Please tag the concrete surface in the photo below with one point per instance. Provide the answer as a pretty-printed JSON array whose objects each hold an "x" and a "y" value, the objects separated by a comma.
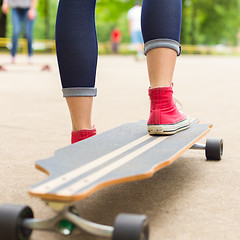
[{"x": 191, "y": 199}]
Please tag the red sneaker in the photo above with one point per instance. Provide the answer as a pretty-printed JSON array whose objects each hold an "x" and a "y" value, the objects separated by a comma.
[
  {"x": 165, "y": 118},
  {"x": 80, "y": 135}
]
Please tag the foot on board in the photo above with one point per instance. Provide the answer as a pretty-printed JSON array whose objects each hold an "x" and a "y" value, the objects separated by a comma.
[
  {"x": 80, "y": 135},
  {"x": 165, "y": 118}
]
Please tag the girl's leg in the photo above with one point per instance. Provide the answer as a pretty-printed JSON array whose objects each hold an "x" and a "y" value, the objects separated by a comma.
[
  {"x": 80, "y": 110},
  {"x": 16, "y": 22},
  {"x": 161, "y": 64},
  {"x": 28, "y": 31},
  {"x": 76, "y": 44},
  {"x": 161, "y": 25}
]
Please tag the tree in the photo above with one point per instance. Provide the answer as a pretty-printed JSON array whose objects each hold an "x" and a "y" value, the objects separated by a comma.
[
  {"x": 203, "y": 21},
  {"x": 110, "y": 13},
  {"x": 44, "y": 12},
  {"x": 210, "y": 21},
  {"x": 3, "y": 22}
]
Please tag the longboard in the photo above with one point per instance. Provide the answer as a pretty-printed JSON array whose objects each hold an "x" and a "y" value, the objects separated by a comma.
[
  {"x": 123, "y": 154},
  {"x": 126, "y": 153}
]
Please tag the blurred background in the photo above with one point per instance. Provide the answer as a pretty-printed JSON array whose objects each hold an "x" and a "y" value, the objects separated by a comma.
[{"x": 208, "y": 26}]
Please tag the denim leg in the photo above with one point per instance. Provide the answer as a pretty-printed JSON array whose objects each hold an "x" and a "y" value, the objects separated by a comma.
[
  {"x": 77, "y": 50},
  {"x": 28, "y": 32},
  {"x": 16, "y": 22},
  {"x": 161, "y": 24}
]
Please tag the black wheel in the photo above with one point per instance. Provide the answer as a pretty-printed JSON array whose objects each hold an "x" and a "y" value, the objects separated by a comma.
[
  {"x": 214, "y": 149},
  {"x": 131, "y": 227},
  {"x": 11, "y": 218}
]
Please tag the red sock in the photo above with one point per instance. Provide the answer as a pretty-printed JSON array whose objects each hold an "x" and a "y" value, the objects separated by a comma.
[{"x": 80, "y": 135}]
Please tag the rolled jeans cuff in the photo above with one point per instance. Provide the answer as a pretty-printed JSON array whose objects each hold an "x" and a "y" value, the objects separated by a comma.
[
  {"x": 79, "y": 92},
  {"x": 162, "y": 43}
]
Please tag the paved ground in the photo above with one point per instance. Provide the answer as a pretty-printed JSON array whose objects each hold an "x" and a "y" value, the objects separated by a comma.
[{"x": 191, "y": 199}]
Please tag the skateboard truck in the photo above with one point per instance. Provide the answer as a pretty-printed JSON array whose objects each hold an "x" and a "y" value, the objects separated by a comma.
[
  {"x": 18, "y": 223},
  {"x": 64, "y": 223},
  {"x": 213, "y": 148}
]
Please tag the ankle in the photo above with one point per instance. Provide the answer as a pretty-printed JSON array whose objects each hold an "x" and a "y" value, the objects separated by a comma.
[
  {"x": 82, "y": 126},
  {"x": 13, "y": 60},
  {"x": 163, "y": 85}
]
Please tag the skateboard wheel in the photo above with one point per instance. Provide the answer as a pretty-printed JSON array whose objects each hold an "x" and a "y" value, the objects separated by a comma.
[
  {"x": 131, "y": 227},
  {"x": 11, "y": 217},
  {"x": 214, "y": 149}
]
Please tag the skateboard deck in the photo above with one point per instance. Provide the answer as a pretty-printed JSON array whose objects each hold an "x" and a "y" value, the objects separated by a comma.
[
  {"x": 123, "y": 154},
  {"x": 8, "y": 66}
]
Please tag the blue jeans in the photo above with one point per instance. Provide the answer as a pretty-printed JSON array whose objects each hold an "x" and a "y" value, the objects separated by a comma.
[
  {"x": 76, "y": 39},
  {"x": 136, "y": 37},
  {"x": 19, "y": 16}
]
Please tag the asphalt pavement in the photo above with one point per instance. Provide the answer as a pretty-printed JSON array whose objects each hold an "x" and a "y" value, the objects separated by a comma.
[{"x": 191, "y": 199}]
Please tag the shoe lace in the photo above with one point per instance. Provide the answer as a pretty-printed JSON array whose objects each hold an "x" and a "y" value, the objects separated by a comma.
[{"x": 178, "y": 104}]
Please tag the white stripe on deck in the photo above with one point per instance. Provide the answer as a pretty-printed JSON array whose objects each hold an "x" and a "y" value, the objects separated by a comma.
[
  {"x": 75, "y": 187},
  {"x": 63, "y": 179}
]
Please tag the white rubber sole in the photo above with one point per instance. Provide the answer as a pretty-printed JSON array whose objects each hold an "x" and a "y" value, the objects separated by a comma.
[{"x": 169, "y": 129}]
